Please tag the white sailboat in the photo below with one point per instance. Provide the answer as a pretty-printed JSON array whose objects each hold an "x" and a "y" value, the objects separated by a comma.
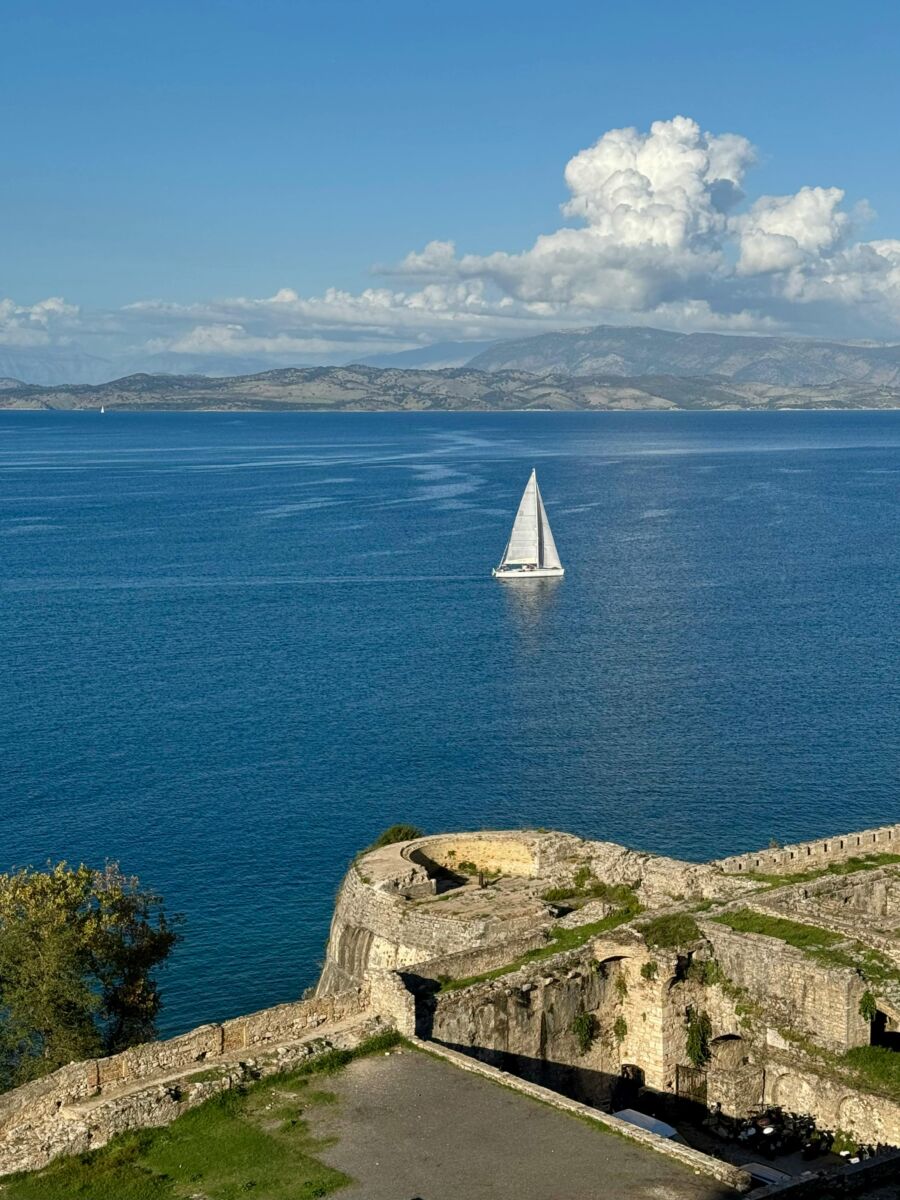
[{"x": 531, "y": 551}]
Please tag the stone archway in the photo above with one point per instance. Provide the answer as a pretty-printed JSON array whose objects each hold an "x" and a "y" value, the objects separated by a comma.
[
  {"x": 794, "y": 1093},
  {"x": 727, "y": 1052}
]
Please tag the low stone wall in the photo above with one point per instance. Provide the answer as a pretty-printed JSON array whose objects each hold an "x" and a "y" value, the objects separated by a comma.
[
  {"x": 508, "y": 853},
  {"x": 694, "y": 1160},
  {"x": 857, "y": 1179},
  {"x": 35, "y": 1125},
  {"x": 806, "y": 856},
  {"x": 480, "y": 959},
  {"x": 833, "y": 1104}
]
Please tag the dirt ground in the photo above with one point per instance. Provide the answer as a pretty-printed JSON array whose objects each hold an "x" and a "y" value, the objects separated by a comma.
[{"x": 410, "y": 1127}]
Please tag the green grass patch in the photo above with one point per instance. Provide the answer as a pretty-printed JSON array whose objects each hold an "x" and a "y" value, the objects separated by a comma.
[
  {"x": 670, "y": 932},
  {"x": 831, "y": 949},
  {"x": 877, "y": 1067},
  {"x": 804, "y": 937},
  {"x": 865, "y": 862},
  {"x": 586, "y": 888},
  {"x": 246, "y": 1142},
  {"x": 559, "y": 941}
]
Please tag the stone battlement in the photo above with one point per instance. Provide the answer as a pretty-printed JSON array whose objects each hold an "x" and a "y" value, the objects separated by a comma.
[{"x": 798, "y": 857}]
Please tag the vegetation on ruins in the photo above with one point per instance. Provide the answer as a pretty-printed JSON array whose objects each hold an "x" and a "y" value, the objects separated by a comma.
[
  {"x": 877, "y": 1066},
  {"x": 698, "y": 1031},
  {"x": 620, "y": 1029},
  {"x": 670, "y": 932},
  {"x": 864, "y": 862},
  {"x": 585, "y": 886},
  {"x": 830, "y": 948},
  {"x": 395, "y": 833},
  {"x": 78, "y": 949},
  {"x": 559, "y": 940},
  {"x": 252, "y": 1140},
  {"x": 584, "y": 1026},
  {"x": 867, "y": 1006},
  {"x": 650, "y": 969},
  {"x": 705, "y": 971}
]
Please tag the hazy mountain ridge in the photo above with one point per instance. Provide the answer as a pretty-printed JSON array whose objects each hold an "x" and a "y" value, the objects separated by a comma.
[
  {"x": 639, "y": 351},
  {"x": 360, "y": 388}
]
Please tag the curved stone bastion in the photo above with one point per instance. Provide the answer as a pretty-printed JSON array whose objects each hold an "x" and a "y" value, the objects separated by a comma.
[
  {"x": 458, "y": 893},
  {"x": 613, "y": 977}
]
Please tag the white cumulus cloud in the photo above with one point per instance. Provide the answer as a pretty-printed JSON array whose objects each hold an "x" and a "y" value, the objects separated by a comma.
[{"x": 656, "y": 229}]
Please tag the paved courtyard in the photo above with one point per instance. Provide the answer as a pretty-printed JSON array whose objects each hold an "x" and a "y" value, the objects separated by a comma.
[{"x": 410, "y": 1127}]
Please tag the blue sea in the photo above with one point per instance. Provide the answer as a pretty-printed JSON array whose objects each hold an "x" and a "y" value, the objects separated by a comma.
[{"x": 235, "y": 647}]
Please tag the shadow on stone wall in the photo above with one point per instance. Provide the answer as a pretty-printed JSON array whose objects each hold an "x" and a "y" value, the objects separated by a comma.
[{"x": 600, "y": 1089}]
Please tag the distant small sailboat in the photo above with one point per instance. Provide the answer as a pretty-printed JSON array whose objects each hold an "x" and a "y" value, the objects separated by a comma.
[
  {"x": 102, "y": 409},
  {"x": 531, "y": 551}
]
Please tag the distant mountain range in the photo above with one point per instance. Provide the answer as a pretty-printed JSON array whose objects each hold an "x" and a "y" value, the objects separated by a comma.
[
  {"x": 606, "y": 350},
  {"x": 637, "y": 351},
  {"x": 608, "y": 367},
  {"x": 360, "y": 388}
]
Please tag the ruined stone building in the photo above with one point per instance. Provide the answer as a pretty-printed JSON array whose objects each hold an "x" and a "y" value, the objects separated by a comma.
[
  {"x": 598, "y": 970},
  {"x": 615, "y": 977}
]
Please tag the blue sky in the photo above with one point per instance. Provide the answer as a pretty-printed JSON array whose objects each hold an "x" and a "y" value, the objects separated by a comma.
[{"x": 197, "y": 153}]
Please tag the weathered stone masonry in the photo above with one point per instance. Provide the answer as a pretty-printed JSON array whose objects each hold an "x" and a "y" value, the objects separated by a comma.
[{"x": 487, "y": 911}]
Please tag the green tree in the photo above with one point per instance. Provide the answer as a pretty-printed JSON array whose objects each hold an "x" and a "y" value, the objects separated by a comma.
[{"x": 77, "y": 952}]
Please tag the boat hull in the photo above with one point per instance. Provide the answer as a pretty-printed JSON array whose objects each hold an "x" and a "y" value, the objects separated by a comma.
[{"x": 510, "y": 575}]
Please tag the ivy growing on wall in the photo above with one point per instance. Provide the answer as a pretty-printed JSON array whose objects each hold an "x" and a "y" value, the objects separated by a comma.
[
  {"x": 697, "y": 1037},
  {"x": 867, "y": 1006},
  {"x": 585, "y": 1029}
]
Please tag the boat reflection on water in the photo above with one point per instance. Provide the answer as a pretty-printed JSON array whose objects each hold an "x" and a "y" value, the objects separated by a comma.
[{"x": 530, "y": 600}]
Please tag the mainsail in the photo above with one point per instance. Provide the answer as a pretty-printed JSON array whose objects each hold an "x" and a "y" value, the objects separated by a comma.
[{"x": 531, "y": 542}]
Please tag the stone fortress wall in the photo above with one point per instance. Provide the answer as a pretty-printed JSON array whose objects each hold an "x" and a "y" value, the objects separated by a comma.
[
  {"x": 410, "y": 917},
  {"x": 81, "y": 1106},
  {"x": 524, "y": 1019},
  {"x": 807, "y": 856}
]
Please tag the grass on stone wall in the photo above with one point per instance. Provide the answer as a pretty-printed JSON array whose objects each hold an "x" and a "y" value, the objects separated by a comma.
[
  {"x": 249, "y": 1141},
  {"x": 864, "y": 862},
  {"x": 877, "y": 1067},
  {"x": 585, "y": 887},
  {"x": 560, "y": 940},
  {"x": 670, "y": 932},
  {"x": 830, "y": 948},
  {"x": 795, "y": 933}
]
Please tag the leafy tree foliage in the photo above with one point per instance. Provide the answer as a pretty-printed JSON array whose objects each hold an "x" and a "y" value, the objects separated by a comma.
[{"x": 78, "y": 949}]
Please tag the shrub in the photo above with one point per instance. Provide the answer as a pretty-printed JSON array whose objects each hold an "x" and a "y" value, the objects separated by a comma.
[
  {"x": 620, "y": 1029},
  {"x": 621, "y": 986},
  {"x": 670, "y": 932},
  {"x": 867, "y": 1006},
  {"x": 396, "y": 833},
  {"x": 650, "y": 969}
]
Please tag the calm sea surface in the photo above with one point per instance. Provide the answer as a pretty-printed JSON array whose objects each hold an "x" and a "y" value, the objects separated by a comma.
[{"x": 235, "y": 647}]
